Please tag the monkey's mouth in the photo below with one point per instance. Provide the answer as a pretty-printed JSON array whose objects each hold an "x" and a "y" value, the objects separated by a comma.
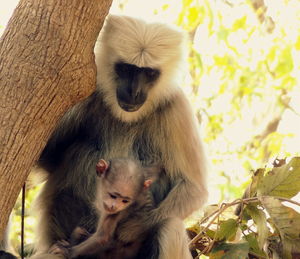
[
  {"x": 129, "y": 107},
  {"x": 109, "y": 210}
]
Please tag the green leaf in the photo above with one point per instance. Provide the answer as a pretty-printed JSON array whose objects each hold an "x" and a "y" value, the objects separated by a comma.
[
  {"x": 282, "y": 181},
  {"x": 230, "y": 251},
  {"x": 223, "y": 33},
  {"x": 297, "y": 44},
  {"x": 253, "y": 243},
  {"x": 165, "y": 7},
  {"x": 272, "y": 54},
  {"x": 210, "y": 233},
  {"x": 285, "y": 64},
  {"x": 256, "y": 179},
  {"x": 227, "y": 230},
  {"x": 289, "y": 246},
  {"x": 239, "y": 23},
  {"x": 286, "y": 220},
  {"x": 187, "y": 2},
  {"x": 217, "y": 254},
  {"x": 259, "y": 218}
]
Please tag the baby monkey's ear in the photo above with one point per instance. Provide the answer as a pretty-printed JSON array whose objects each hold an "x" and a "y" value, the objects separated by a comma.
[
  {"x": 102, "y": 167},
  {"x": 152, "y": 173},
  {"x": 147, "y": 183}
]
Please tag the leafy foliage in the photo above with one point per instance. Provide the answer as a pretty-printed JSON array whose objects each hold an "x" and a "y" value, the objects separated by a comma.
[
  {"x": 229, "y": 251},
  {"x": 262, "y": 226},
  {"x": 282, "y": 181},
  {"x": 244, "y": 66}
]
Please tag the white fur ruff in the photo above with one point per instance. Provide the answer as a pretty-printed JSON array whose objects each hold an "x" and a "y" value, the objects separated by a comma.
[{"x": 133, "y": 41}]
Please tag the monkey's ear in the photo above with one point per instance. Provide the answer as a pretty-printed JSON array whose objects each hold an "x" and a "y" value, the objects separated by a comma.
[
  {"x": 101, "y": 167},
  {"x": 147, "y": 183},
  {"x": 152, "y": 174}
]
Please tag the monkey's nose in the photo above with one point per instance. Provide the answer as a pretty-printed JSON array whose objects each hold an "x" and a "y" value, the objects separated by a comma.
[
  {"x": 109, "y": 209},
  {"x": 112, "y": 210}
]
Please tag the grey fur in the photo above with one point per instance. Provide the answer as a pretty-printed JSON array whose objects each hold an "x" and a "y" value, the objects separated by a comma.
[
  {"x": 122, "y": 233},
  {"x": 163, "y": 131}
]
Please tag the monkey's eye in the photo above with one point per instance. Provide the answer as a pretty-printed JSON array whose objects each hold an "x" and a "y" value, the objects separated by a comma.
[
  {"x": 123, "y": 69},
  {"x": 151, "y": 74},
  {"x": 112, "y": 196},
  {"x": 125, "y": 201}
]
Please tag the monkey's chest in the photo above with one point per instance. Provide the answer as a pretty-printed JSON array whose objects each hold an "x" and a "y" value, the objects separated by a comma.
[{"x": 133, "y": 140}]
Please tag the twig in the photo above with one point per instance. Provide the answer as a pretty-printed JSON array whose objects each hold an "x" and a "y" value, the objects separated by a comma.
[
  {"x": 219, "y": 211},
  {"x": 22, "y": 221},
  {"x": 225, "y": 206}
]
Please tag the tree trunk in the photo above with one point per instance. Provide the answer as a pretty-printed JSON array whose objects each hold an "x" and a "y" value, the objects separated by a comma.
[{"x": 46, "y": 65}]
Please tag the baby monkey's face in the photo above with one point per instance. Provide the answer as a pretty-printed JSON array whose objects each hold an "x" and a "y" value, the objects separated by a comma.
[
  {"x": 121, "y": 182},
  {"x": 117, "y": 197}
]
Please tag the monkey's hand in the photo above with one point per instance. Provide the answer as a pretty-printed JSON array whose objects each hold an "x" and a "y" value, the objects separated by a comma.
[
  {"x": 91, "y": 246},
  {"x": 148, "y": 218},
  {"x": 104, "y": 240},
  {"x": 152, "y": 217},
  {"x": 60, "y": 248},
  {"x": 79, "y": 235}
]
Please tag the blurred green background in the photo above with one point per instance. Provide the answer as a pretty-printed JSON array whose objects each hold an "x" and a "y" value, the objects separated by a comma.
[{"x": 243, "y": 83}]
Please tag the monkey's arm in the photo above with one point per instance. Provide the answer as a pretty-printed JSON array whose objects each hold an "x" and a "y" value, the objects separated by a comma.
[
  {"x": 69, "y": 129},
  {"x": 91, "y": 246},
  {"x": 107, "y": 227},
  {"x": 101, "y": 240},
  {"x": 184, "y": 198},
  {"x": 185, "y": 161}
]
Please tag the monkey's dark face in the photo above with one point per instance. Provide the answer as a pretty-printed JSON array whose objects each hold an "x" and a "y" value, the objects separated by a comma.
[{"x": 133, "y": 84}]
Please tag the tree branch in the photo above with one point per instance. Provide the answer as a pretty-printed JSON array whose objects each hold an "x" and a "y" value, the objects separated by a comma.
[{"x": 46, "y": 65}]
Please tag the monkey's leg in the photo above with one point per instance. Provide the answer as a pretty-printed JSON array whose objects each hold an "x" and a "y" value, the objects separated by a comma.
[
  {"x": 173, "y": 240},
  {"x": 48, "y": 256},
  {"x": 59, "y": 250},
  {"x": 168, "y": 239},
  {"x": 91, "y": 246},
  {"x": 59, "y": 213},
  {"x": 99, "y": 241},
  {"x": 4, "y": 242}
]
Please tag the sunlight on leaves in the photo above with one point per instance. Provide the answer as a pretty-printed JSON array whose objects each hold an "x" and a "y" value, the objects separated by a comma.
[{"x": 282, "y": 181}]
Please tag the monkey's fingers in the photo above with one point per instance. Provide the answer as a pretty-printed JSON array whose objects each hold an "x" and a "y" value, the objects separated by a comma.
[
  {"x": 80, "y": 232},
  {"x": 63, "y": 243},
  {"x": 60, "y": 247}
]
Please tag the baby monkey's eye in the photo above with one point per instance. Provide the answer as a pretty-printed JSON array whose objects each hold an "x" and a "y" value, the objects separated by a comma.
[
  {"x": 112, "y": 196},
  {"x": 125, "y": 201}
]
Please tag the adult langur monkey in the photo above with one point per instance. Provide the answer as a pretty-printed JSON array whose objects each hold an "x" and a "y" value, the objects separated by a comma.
[{"x": 139, "y": 111}]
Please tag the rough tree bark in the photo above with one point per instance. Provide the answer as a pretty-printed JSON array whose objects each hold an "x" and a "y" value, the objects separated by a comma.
[{"x": 46, "y": 65}]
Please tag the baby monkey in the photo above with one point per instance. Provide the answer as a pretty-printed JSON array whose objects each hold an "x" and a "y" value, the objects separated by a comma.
[{"x": 123, "y": 201}]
